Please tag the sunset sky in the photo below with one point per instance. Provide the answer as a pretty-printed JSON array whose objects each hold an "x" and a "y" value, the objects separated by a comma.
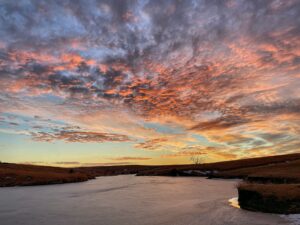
[{"x": 88, "y": 82}]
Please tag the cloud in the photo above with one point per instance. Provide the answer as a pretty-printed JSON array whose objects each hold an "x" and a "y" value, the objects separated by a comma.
[
  {"x": 291, "y": 106},
  {"x": 183, "y": 153},
  {"x": 275, "y": 137},
  {"x": 133, "y": 158},
  {"x": 105, "y": 164},
  {"x": 152, "y": 144},
  {"x": 67, "y": 163},
  {"x": 221, "y": 123},
  {"x": 13, "y": 131},
  {"x": 79, "y": 136},
  {"x": 226, "y": 67},
  {"x": 205, "y": 153}
]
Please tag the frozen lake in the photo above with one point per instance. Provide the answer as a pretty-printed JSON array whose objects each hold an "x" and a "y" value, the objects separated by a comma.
[{"x": 129, "y": 200}]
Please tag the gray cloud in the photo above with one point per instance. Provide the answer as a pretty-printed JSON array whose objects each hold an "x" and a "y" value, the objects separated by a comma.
[{"x": 79, "y": 136}]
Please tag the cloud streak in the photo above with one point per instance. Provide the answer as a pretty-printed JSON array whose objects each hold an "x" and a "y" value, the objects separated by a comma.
[{"x": 79, "y": 136}]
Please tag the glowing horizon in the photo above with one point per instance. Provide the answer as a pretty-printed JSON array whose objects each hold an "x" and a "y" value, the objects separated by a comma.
[{"x": 148, "y": 82}]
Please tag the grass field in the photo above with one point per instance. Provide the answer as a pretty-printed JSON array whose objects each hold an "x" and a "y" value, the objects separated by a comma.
[
  {"x": 24, "y": 175},
  {"x": 275, "y": 167},
  {"x": 285, "y": 172}
]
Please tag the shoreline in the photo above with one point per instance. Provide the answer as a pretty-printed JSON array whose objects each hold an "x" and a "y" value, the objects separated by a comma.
[
  {"x": 270, "y": 198},
  {"x": 265, "y": 187}
]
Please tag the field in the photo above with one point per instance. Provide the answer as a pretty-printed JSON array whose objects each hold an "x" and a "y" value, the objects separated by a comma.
[
  {"x": 279, "y": 168},
  {"x": 271, "y": 198},
  {"x": 25, "y": 175}
]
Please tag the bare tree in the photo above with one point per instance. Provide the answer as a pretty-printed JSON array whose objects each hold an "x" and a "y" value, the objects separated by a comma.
[{"x": 197, "y": 160}]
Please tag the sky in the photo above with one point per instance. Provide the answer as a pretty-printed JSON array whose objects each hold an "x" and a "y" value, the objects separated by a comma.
[{"x": 120, "y": 82}]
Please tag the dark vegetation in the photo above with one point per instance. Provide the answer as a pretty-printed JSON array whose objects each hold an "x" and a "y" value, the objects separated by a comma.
[
  {"x": 271, "y": 184},
  {"x": 26, "y": 175},
  {"x": 270, "y": 198},
  {"x": 242, "y": 168}
]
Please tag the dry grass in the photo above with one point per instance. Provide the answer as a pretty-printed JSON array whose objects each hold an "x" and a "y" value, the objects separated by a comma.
[
  {"x": 251, "y": 162},
  {"x": 287, "y": 170},
  {"x": 23, "y": 175},
  {"x": 236, "y": 168},
  {"x": 274, "y": 166},
  {"x": 281, "y": 191},
  {"x": 270, "y": 198}
]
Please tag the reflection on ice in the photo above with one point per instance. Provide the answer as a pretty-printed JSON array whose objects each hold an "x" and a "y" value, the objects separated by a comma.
[
  {"x": 234, "y": 202},
  {"x": 130, "y": 200}
]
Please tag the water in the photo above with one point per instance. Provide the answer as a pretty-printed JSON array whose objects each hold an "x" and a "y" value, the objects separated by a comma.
[{"x": 129, "y": 200}]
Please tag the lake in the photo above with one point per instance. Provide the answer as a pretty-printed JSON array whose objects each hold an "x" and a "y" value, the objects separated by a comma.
[{"x": 130, "y": 200}]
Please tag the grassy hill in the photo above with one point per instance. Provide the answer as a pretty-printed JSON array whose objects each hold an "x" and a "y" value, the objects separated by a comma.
[
  {"x": 275, "y": 167},
  {"x": 25, "y": 175}
]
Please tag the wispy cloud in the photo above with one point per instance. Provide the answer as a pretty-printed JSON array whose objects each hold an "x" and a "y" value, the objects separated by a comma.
[
  {"x": 67, "y": 163},
  {"x": 79, "y": 136},
  {"x": 129, "y": 158}
]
